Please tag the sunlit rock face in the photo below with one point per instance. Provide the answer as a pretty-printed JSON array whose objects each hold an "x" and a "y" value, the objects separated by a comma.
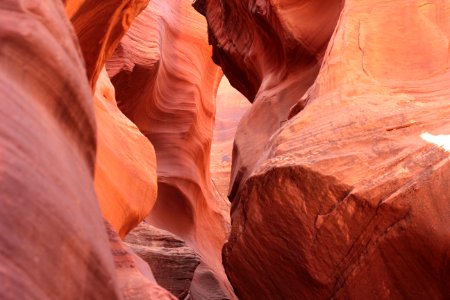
[
  {"x": 125, "y": 169},
  {"x": 54, "y": 244},
  {"x": 336, "y": 190},
  {"x": 165, "y": 83},
  {"x": 53, "y": 240},
  {"x": 99, "y": 26}
]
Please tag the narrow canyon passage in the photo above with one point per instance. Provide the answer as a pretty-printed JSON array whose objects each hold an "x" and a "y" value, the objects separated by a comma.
[
  {"x": 224, "y": 149},
  {"x": 231, "y": 105}
]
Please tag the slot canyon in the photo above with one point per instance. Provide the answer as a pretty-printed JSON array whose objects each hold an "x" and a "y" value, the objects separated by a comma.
[{"x": 224, "y": 149}]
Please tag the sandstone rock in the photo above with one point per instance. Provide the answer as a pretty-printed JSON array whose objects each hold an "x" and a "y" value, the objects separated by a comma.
[
  {"x": 165, "y": 83},
  {"x": 270, "y": 63},
  {"x": 53, "y": 243},
  {"x": 134, "y": 276},
  {"x": 99, "y": 26},
  {"x": 125, "y": 170},
  {"x": 173, "y": 263},
  {"x": 206, "y": 285},
  {"x": 338, "y": 191}
]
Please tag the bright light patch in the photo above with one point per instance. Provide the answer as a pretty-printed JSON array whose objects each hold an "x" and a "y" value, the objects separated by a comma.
[{"x": 442, "y": 141}]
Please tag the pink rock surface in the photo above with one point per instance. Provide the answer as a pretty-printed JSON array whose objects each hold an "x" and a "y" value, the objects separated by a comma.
[
  {"x": 53, "y": 242},
  {"x": 165, "y": 83},
  {"x": 125, "y": 170},
  {"x": 340, "y": 173}
]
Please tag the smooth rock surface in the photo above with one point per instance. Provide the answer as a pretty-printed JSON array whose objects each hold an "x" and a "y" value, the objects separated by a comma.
[
  {"x": 53, "y": 242},
  {"x": 340, "y": 169},
  {"x": 172, "y": 261},
  {"x": 125, "y": 170},
  {"x": 99, "y": 26},
  {"x": 165, "y": 83}
]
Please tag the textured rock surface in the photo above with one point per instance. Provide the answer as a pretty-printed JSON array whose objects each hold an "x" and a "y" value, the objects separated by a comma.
[
  {"x": 340, "y": 177},
  {"x": 53, "y": 242},
  {"x": 165, "y": 83},
  {"x": 172, "y": 261},
  {"x": 99, "y": 26},
  {"x": 230, "y": 106},
  {"x": 272, "y": 63},
  {"x": 125, "y": 174},
  {"x": 134, "y": 276}
]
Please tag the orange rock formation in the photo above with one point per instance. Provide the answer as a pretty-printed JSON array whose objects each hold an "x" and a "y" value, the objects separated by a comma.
[
  {"x": 125, "y": 174},
  {"x": 340, "y": 169},
  {"x": 53, "y": 240},
  {"x": 336, "y": 192},
  {"x": 165, "y": 83},
  {"x": 99, "y": 26}
]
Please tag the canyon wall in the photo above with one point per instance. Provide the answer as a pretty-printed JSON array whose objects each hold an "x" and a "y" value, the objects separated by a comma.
[
  {"x": 125, "y": 169},
  {"x": 99, "y": 26},
  {"x": 340, "y": 174},
  {"x": 54, "y": 243},
  {"x": 340, "y": 169},
  {"x": 165, "y": 83}
]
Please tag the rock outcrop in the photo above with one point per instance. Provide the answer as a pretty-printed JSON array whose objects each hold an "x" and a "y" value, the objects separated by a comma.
[
  {"x": 172, "y": 261},
  {"x": 125, "y": 170},
  {"x": 340, "y": 177},
  {"x": 165, "y": 83},
  {"x": 134, "y": 276},
  {"x": 53, "y": 240}
]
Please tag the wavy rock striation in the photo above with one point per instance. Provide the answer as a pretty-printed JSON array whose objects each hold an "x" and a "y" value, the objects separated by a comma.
[
  {"x": 99, "y": 26},
  {"x": 165, "y": 83},
  {"x": 125, "y": 170},
  {"x": 54, "y": 243},
  {"x": 340, "y": 172}
]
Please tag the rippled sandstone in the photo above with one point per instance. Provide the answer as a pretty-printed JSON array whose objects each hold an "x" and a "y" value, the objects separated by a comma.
[
  {"x": 54, "y": 242},
  {"x": 99, "y": 26},
  {"x": 165, "y": 83},
  {"x": 337, "y": 190},
  {"x": 125, "y": 169}
]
